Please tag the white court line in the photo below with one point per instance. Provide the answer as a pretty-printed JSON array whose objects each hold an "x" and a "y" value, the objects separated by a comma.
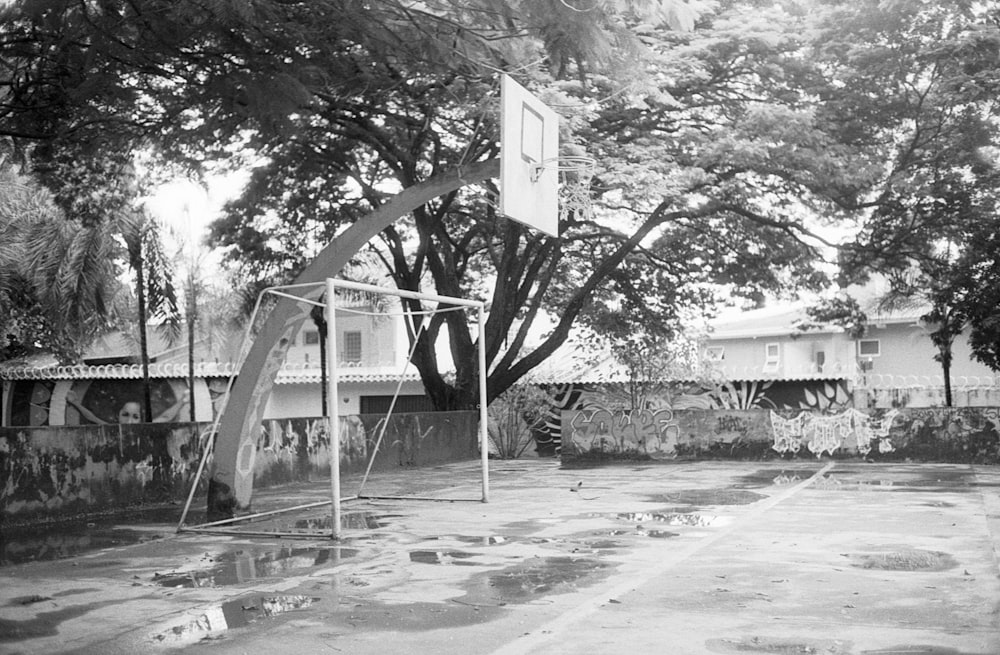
[{"x": 550, "y": 631}]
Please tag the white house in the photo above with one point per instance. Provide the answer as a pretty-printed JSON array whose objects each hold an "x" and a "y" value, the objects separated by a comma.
[{"x": 895, "y": 354}]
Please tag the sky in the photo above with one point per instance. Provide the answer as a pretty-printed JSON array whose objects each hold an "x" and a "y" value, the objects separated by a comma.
[{"x": 187, "y": 207}]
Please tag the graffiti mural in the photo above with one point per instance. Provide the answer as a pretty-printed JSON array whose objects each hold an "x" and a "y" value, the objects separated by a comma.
[
  {"x": 708, "y": 395},
  {"x": 96, "y": 401},
  {"x": 828, "y": 433},
  {"x": 645, "y": 432},
  {"x": 930, "y": 435}
]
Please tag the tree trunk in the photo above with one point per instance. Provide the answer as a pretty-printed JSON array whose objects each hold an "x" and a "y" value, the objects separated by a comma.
[
  {"x": 140, "y": 283},
  {"x": 316, "y": 313},
  {"x": 191, "y": 316},
  {"x": 946, "y": 372}
]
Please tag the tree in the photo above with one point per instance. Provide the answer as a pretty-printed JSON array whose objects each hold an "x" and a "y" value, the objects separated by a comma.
[
  {"x": 662, "y": 246},
  {"x": 154, "y": 289},
  {"x": 924, "y": 82},
  {"x": 57, "y": 277},
  {"x": 718, "y": 146},
  {"x": 974, "y": 287}
]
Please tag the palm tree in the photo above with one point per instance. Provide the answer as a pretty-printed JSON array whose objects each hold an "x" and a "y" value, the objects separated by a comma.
[
  {"x": 154, "y": 287},
  {"x": 57, "y": 276}
]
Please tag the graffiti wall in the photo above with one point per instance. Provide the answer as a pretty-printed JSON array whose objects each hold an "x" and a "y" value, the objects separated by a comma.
[
  {"x": 292, "y": 450},
  {"x": 816, "y": 395},
  {"x": 930, "y": 434},
  {"x": 64, "y": 471}
]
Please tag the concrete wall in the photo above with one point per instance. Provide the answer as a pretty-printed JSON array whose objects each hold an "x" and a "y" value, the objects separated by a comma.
[
  {"x": 299, "y": 449},
  {"x": 62, "y": 471},
  {"x": 68, "y": 470},
  {"x": 924, "y": 434}
]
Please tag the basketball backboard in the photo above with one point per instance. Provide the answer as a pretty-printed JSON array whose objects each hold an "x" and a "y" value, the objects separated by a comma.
[{"x": 529, "y": 136}]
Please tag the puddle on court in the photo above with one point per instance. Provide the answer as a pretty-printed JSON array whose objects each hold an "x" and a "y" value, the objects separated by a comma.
[
  {"x": 702, "y": 497},
  {"x": 216, "y": 620},
  {"x": 244, "y": 566},
  {"x": 55, "y": 540},
  {"x": 658, "y": 534},
  {"x": 31, "y": 600},
  {"x": 46, "y": 624},
  {"x": 910, "y": 559},
  {"x": 348, "y": 521},
  {"x": 916, "y": 650},
  {"x": 63, "y": 541},
  {"x": 674, "y": 518},
  {"x": 534, "y": 579},
  {"x": 775, "y": 477},
  {"x": 847, "y": 482},
  {"x": 903, "y": 479},
  {"x": 528, "y": 526},
  {"x": 491, "y": 540},
  {"x": 779, "y": 646},
  {"x": 448, "y": 558},
  {"x": 618, "y": 533}
]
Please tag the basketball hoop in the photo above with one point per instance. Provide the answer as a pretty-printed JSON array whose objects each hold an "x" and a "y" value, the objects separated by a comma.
[{"x": 575, "y": 174}]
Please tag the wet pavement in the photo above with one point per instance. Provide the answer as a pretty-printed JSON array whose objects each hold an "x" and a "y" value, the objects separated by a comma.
[{"x": 708, "y": 557}]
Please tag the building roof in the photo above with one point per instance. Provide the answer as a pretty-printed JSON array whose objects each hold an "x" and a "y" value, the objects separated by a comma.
[
  {"x": 784, "y": 319},
  {"x": 288, "y": 374}
]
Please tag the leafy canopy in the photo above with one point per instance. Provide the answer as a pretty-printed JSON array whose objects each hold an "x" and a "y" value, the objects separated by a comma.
[{"x": 727, "y": 134}]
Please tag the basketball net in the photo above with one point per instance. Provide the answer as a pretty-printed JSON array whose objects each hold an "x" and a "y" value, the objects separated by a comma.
[{"x": 575, "y": 201}]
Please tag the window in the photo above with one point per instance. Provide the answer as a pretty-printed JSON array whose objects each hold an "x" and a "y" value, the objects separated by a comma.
[
  {"x": 311, "y": 338},
  {"x": 819, "y": 357},
  {"x": 772, "y": 357},
  {"x": 869, "y": 348},
  {"x": 352, "y": 347},
  {"x": 715, "y": 353}
]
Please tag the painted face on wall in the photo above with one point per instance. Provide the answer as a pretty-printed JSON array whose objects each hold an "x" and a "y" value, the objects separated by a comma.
[{"x": 130, "y": 413}]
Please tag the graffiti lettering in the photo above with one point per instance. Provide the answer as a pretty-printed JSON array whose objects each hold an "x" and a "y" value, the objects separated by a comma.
[
  {"x": 725, "y": 424},
  {"x": 640, "y": 431},
  {"x": 823, "y": 433}
]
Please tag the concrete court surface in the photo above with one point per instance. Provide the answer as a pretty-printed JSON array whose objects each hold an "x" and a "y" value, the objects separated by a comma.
[{"x": 781, "y": 557}]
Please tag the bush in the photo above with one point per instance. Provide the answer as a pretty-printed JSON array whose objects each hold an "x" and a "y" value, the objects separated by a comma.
[{"x": 513, "y": 418}]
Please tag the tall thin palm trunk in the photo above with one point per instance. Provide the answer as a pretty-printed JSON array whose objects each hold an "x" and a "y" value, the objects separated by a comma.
[{"x": 147, "y": 397}]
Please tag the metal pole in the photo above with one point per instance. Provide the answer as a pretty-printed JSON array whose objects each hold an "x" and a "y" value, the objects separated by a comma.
[
  {"x": 334, "y": 407},
  {"x": 403, "y": 293},
  {"x": 483, "y": 416}
]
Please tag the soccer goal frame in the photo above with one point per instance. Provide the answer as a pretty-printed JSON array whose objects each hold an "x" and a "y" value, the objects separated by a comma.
[{"x": 332, "y": 415}]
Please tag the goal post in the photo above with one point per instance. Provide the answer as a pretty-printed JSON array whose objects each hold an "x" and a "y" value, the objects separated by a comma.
[{"x": 332, "y": 414}]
